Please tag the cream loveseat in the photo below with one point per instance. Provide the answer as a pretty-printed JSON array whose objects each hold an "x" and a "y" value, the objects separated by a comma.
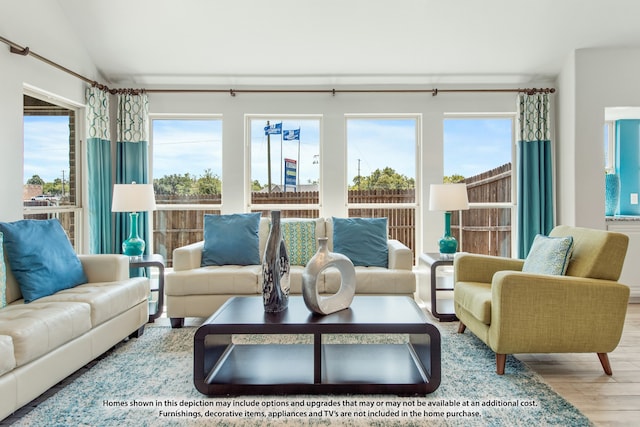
[
  {"x": 196, "y": 291},
  {"x": 46, "y": 340}
]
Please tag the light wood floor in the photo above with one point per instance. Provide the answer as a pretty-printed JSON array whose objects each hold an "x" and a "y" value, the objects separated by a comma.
[{"x": 606, "y": 400}]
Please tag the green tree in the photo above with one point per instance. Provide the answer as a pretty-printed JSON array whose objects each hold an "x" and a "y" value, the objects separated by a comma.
[
  {"x": 452, "y": 179},
  {"x": 383, "y": 179},
  {"x": 53, "y": 188},
  {"x": 208, "y": 183},
  {"x": 178, "y": 185},
  {"x": 35, "y": 180},
  {"x": 256, "y": 186}
]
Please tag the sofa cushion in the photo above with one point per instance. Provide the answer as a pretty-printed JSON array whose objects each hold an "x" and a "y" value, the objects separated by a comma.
[
  {"x": 106, "y": 299},
  {"x": 3, "y": 275},
  {"x": 374, "y": 280},
  {"x": 41, "y": 257},
  {"x": 300, "y": 240},
  {"x": 216, "y": 280},
  {"x": 475, "y": 298},
  {"x": 39, "y": 327},
  {"x": 231, "y": 239},
  {"x": 362, "y": 240},
  {"x": 7, "y": 358},
  {"x": 549, "y": 255}
]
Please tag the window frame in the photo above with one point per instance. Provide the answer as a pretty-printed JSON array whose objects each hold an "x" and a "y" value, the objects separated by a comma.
[
  {"x": 77, "y": 210},
  {"x": 256, "y": 207},
  {"x": 514, "y": 181}
]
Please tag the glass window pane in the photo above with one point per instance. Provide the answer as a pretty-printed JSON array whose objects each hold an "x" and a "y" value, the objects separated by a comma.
[
  {"x": 285, "y": 161},
  {"x": 476, "y": 149},
  {"x": 187, "y": 170},
  {"x": 381, "y": 156}
]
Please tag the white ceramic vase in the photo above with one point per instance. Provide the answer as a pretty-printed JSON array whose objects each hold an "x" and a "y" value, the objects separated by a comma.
[{"x": 322, "y": 260}]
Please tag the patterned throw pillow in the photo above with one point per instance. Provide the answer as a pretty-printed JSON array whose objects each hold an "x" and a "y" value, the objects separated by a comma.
[
  {"x": 3, "y": 275},
  {"x": 300, "y": 240},
  {"x": 549, "y": 255}
]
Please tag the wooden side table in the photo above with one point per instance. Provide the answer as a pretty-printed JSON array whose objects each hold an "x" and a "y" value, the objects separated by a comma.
[
  {"x": 155, "y": 261},
  {"x": 433, "y": 261}
]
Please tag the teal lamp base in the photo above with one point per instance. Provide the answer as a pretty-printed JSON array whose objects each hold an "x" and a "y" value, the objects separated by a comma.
[
  {"x": 134, "y": 245},
  {"x": 448, "y": 244}
]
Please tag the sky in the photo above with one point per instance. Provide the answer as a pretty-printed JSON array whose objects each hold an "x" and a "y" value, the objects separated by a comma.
[{"x": 471, "y": 146}]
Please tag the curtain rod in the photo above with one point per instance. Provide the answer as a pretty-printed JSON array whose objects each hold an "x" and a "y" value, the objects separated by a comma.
[{"x": 25, "y": 51}]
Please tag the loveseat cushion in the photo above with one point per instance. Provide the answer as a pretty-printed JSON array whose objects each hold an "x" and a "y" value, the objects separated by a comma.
[
  {"x": 374, "y": 280},
  {"x": 475, "y": 298},
  {"x": 216, "y": 280},
  {"x": 106, "y": 299},
  {"x": 39, "y": 327},
  {"x": 7, "y": 359},
  {"x": 41, "y": 257}
]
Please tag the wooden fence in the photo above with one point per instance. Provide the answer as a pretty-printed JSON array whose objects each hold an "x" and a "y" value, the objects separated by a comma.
[{"x": 485, "y": 231}]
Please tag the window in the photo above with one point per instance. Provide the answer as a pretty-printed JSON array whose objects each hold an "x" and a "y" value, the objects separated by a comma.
[
  {"x": 285, "y": 165},
  {"x": 381, "y": 171},
  {"x": 479, "y": 152},
  {"x": 187, "y": 179},
  {"x": 51, "y": 165}
]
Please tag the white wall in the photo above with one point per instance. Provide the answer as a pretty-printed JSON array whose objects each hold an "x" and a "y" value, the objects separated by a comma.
[
  {"x": 18, "y": 72},
  {"x": 592, "y": 80}
]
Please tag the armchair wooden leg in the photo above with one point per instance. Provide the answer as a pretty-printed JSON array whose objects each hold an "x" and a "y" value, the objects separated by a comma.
[
  {"x": 461, "y": 328},
  {"x": 501, "y": 360},
  {"x": 604, "y": 361}
]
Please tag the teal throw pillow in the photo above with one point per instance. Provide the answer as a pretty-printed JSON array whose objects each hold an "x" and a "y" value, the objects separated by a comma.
[
  {"x": 231, "y": 239},
  {"x": 41, "y": 257},
  {"x": 3, "y": 275},
  {"x": 362, "y": 240},
  {"x": 300, "y": 240},
  {"x": 549, "y": 255}
]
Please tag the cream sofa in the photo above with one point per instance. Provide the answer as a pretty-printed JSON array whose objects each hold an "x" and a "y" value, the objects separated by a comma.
[
  {"x": 195, "y": 291},
  {"x": 44, "y": 341}
]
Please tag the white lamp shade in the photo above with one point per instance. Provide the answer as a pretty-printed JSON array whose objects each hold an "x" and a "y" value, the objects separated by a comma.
[
  {"x": 448, "y": 197},
  {"x": 133, "y": 198}
]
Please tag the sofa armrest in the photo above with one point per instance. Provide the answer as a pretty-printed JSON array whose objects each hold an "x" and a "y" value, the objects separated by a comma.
[
  {"x": 188, "y": 257},
  {"x": 105, "y": 267},
  {"x": 400, "y": 256},
  {"x": 548, "y": 314},
  {"x": 481, "y": 268}
]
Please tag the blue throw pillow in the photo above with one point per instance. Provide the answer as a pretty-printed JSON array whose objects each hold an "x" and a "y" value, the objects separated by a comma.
[
  {"x": 362, "y": 240},
  {"x": 41, "y": 257},
  {"x": 231, "y": 239},
  {"x": 549, "y": 255}
]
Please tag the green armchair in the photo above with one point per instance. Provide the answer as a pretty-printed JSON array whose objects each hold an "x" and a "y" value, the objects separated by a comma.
[{"x": 516, "y": 312}]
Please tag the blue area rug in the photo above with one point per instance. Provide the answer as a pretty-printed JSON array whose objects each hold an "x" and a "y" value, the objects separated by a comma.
[{"x": 149, "y": 382}]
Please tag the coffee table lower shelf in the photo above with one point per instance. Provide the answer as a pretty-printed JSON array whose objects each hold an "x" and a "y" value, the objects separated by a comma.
[{"x": 292, "y": 369}]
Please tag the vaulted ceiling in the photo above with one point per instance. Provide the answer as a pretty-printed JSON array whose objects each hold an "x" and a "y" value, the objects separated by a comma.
[{"x": 333, "y": 42}]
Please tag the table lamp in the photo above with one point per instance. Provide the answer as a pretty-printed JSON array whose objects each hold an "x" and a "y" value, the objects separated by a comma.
[
  {"x": 447, "y": 198},
  {"x": 133, "y": 198}
]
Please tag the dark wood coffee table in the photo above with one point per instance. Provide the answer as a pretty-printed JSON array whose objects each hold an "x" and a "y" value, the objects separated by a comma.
[{"x": 224, "y": 368}]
